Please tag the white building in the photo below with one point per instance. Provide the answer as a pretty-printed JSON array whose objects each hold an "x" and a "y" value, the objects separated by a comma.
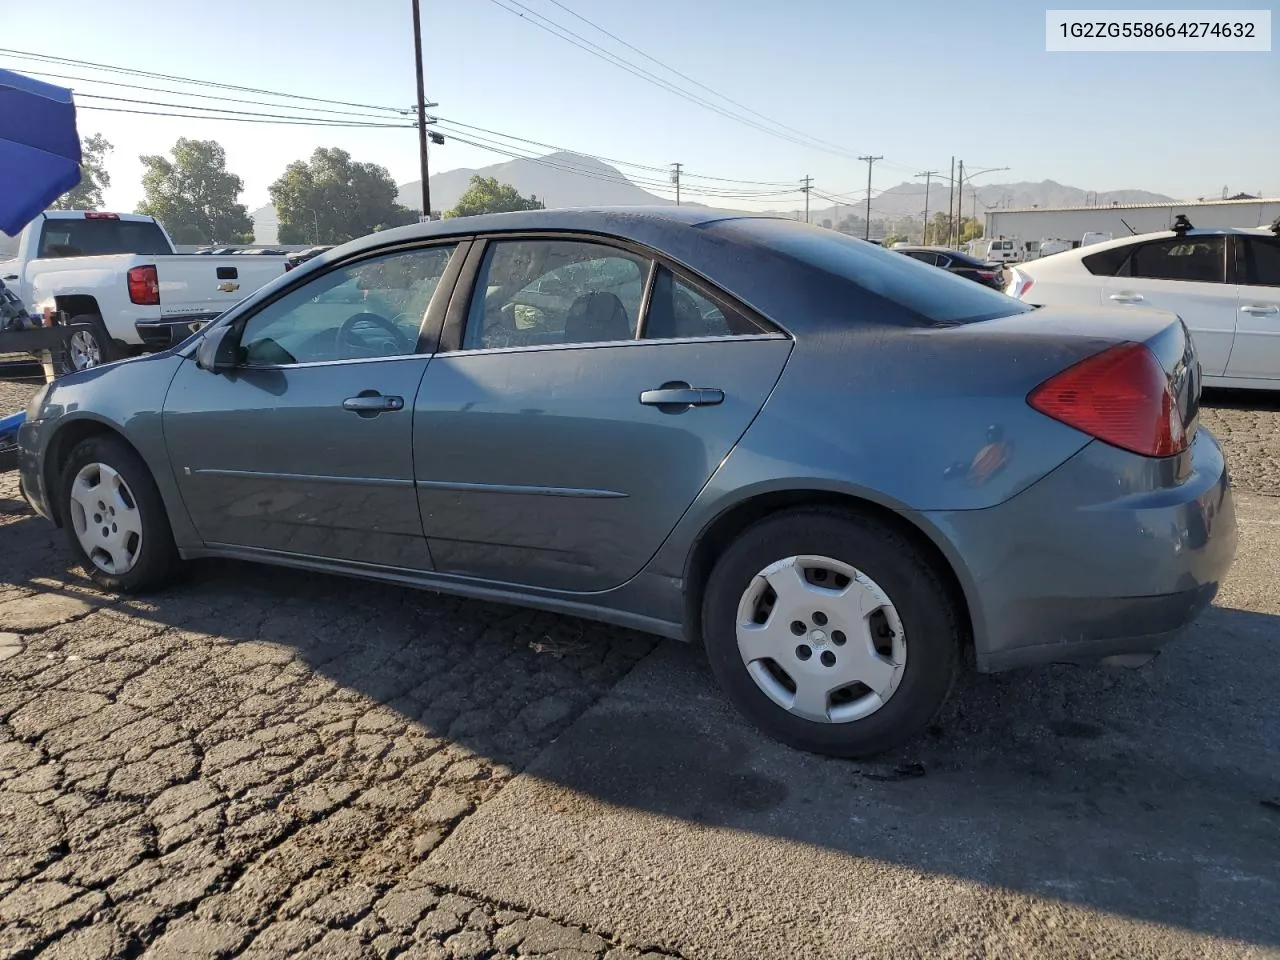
[{"x": 1072, "y": 223}]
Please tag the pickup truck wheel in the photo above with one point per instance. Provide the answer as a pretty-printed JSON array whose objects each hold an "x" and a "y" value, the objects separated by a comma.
[{"x": 90, "y": 346}]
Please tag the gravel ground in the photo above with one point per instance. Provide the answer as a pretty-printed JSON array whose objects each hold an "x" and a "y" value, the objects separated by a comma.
[{"x": 256, "y": 762}]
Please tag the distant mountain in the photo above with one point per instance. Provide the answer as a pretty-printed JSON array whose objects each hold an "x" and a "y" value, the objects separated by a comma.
[
  {"x": 558, "y": 180},
  {"x": 572, "y": 180}
]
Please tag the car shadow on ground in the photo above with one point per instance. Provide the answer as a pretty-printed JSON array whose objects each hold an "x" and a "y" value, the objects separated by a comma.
[
  {"x": 1127, "y": 778},
  {"x": 1227, "y": 399}
]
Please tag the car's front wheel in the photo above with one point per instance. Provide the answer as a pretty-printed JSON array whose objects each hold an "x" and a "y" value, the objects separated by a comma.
[
  {"x": 832, "y": 632},
  {"x": 115, "y": 517}
]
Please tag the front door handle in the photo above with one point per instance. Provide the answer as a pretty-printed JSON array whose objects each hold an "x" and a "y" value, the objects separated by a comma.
[
  {"x": 676, "y": 396},
  {"x": 1127, "y": 297},
  {"x": 1260, "y": 309},
  {"x": 370, "y": 403}
]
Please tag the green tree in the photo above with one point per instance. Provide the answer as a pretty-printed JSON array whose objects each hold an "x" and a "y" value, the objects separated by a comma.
[
  {"x": 333, "y": 199},
  {"x": 194, "y": 195},
  {"x": 94, "y": 179},
  {"x": 487, "y": 195},
  {"x": 970, "y": 229}
]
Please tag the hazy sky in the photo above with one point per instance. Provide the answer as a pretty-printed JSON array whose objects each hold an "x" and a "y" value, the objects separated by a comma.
[{"x": 915, "y": 82}]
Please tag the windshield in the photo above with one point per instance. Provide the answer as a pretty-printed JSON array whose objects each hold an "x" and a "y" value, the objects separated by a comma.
[
  {"x": 90, "y": 238},
  {"x": 932, "y": 295}
]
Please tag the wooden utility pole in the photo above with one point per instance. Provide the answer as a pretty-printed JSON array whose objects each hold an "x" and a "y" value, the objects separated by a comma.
[
  {"x": 928, "y": 175},
  {"x": 866, "y": 234},
  {"x": 422, "y": 110}
]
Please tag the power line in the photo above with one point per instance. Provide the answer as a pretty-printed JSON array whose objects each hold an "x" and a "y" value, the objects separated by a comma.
[
  {"x": 596, "y": 50},
  {"x": 292, "y": 123},
  {"x": 193, "y": 93},
  {"x": 299, "y": 107},
  {"x": 203, "y": 83},
  {"x": 192, "y": 106},
  {"x": 614, "y": 160},
  {"x": 696, "y": 83}
]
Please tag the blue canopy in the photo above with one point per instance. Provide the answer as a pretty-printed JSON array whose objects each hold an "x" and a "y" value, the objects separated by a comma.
[{"x": 39, "y": 148}]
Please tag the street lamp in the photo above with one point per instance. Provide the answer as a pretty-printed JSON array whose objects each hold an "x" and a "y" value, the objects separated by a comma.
[{"x": 960, "y": 195}]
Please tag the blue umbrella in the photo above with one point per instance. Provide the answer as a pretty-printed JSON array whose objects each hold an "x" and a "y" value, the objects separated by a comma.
[{"x": 39, "y": 148}]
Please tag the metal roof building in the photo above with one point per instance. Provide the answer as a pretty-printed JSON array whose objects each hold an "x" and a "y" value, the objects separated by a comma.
[{"x": 1071, "y": 223}]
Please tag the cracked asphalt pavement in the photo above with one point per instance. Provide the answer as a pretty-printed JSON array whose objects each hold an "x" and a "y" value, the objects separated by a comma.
[{"x": 265, "y": 763}]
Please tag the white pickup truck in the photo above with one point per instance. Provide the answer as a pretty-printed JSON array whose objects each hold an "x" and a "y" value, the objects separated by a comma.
[{"x": 118, "y": 274}]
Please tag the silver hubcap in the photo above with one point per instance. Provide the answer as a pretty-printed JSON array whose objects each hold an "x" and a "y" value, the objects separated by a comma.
[
  {"x": 105, "y": 517},
  {"x": 821, "y": 639},
  {"x": 84, "y": 349}
]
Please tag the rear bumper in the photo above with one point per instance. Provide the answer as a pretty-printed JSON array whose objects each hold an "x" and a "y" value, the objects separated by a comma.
[
  {"x": 1111, "y": 554},
  {"x": 171, "y": 331}
]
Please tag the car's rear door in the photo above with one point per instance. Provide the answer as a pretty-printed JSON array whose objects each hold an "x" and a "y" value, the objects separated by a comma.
[
  {"x": 555, "y": 444},
  {"x": 1188, "y": 276},
  {"x": 305, "y": 448},
  {"x": 1256, "y": 354}
]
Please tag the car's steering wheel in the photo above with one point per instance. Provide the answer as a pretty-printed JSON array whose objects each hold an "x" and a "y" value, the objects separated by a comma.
[{"x": 349, "y": 336}]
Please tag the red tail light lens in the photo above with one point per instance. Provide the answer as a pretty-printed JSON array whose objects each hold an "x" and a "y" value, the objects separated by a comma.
[
  {"x": 1019, "y": 285},
  {"x": 1120, "y": 396},
  {"x": 91, "y": 215},
  {"x": 144, "y": 286}
]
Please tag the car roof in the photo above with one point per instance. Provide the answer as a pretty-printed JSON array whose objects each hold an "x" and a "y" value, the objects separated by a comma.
[
  {"x": 1081, "y": 252},
  {"x": 642, "y": 224}
]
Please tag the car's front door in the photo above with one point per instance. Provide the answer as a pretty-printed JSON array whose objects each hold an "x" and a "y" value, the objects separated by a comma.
[
  {"x": 557, "y": 445},
  {"x": 1256, "y": 354},
  {"x": 1187, "y": 276},
  {"x": 306, "y": 446}
]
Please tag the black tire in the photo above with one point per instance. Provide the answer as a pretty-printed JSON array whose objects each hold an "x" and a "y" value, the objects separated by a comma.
[
  {"x": 157, "y": 560},
  {"x": 95, "y": 331},
  {"x": 930, "y": 621}
]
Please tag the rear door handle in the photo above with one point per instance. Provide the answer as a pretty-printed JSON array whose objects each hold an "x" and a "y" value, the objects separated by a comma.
[
  {"x": 1260, "y": 309},
  {"x": 1127, "y": 297},
  {"x": 677, "y": 395},
  {"x": 370, "y": 403}
]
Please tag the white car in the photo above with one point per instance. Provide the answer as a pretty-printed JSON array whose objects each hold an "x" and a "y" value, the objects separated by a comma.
[{"x": 1224, "y": 283}]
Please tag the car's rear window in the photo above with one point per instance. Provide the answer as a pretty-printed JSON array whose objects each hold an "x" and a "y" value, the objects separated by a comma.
[
  {"x": 65, "y": 237},
  {"x": 933, "y": 296}
]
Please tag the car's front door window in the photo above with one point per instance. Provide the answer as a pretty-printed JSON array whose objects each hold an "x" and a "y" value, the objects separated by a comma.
[
  {"x": 548, "y": 292},
  {"x": 1262, "y": 262},
  {"x": 369, "y": 309}
]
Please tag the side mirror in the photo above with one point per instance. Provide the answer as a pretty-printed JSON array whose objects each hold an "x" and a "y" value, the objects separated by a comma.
[{"x": 217, "y": 350}]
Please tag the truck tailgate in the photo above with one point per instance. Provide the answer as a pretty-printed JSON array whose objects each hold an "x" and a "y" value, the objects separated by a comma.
[{"x": 193, "y": 284}]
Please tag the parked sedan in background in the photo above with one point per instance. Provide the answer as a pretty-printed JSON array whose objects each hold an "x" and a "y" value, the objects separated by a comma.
[
  {"x": 1224, "y": 283},
  {"x": 961, "y": 264},
  {"x": 835, "y": 467}
]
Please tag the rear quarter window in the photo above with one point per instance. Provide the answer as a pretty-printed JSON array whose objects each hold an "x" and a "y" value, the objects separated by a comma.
[
  {"x": 1107, "y": 263},
  {"x": 930, "y": 296}
]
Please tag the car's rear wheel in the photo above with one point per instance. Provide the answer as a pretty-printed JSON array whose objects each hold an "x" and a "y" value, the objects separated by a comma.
[
  {"x": 115, "y": 517},
  {"x": 832, "y": 632},
  {"x": 90, "y": 345}
]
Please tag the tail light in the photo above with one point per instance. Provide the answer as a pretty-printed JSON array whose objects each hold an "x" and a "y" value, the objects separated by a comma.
[
  {"x": 1019, "y": 284},
  {"x": 144, "y": 286},
  {"x": 1120, "y": 396},
  {"x": 93, "y": 215},
  {"x": 988, "y": 274}
]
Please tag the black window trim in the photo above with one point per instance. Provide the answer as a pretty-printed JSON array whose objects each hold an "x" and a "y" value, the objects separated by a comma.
[
  {"x": 237, "y": 318},
  {"x": 455, "y": 319}
]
